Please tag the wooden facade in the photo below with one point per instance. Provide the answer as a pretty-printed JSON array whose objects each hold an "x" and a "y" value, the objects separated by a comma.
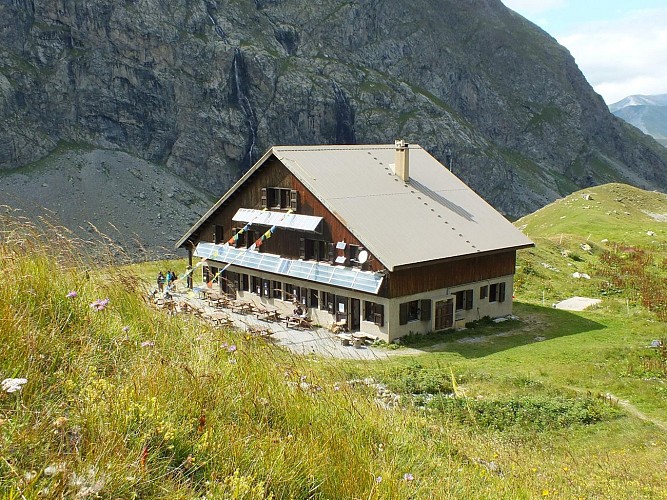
[
  {"x": 283, "y": 242},
  {"x": 413, "y": 280}
]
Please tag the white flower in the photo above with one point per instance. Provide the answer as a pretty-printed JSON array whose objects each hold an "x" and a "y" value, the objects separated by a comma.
[{"x": 13, "y": 384}]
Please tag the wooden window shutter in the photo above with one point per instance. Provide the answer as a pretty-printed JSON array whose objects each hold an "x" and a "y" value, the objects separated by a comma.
[
  {"x": 378, "y": 315},
  {"x": 264, "y": 203},
  {"x": 331, "y": 252},
  {"x": 501, "y": 292},
  {"x": 468, "y": 300},
  {"x": 403, "y": 314},
  {"x": 302, "y": 248},
  {"x": 425, "y": 310},
  {"x": 294, "y": 200}
]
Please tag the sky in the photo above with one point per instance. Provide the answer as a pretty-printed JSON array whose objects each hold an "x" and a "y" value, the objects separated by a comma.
[{"x": 619, "y": 45}]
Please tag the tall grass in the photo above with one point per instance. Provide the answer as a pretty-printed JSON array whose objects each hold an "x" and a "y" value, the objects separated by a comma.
[{"x": 123, "y": 401}]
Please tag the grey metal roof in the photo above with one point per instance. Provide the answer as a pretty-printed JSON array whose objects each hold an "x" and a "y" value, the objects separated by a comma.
[
  {"x": 344, "y": 277},
  {"x": 284, "y": 220},
  {"x": 434, "y": 216}
]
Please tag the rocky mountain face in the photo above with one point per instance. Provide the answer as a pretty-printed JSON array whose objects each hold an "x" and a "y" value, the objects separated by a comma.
[
  {"x": 646, "y": 112},
  {"x": 204, "y": 87}
]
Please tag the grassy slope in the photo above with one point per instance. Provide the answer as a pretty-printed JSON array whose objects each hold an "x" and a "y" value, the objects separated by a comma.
[{"x": 189, "y": 417}]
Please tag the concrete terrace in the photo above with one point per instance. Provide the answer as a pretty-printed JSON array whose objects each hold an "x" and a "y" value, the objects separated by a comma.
[{"x": 318, "y": 340}]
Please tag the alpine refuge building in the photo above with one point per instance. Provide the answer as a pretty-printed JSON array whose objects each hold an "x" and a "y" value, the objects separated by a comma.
[{"x": 382, "y": 240}]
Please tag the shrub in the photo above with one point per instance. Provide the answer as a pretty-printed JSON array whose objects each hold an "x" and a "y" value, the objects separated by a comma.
[
  {"x": 529, "y": 412},
  {"x": 418, "y": 380}
]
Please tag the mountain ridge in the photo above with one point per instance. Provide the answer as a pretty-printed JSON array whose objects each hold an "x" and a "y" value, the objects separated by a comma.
[
  {"x": 646, "y": 112},
  {"x": 205, "y": 89}
]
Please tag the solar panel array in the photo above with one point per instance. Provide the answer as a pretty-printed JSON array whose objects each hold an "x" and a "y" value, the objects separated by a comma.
[{"x": 344, "y": 277}]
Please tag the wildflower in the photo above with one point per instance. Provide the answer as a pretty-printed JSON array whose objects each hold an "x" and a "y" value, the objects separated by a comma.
[
  {"x": 408, "y": 477},
  {"x": 232, "y": 348},
  {"x": 60, "y": 422},
  {"x": 53, "y": 469},
  {"x": 126, "y": 329},
  {"x": 336, "y": 387},
  {"x": 378, "y": 479},
  {"x": 99, "y": 304},
  {"x": 147, "y": 343},
  {"x": 71, "y": 294},
  {"x": 13, "y": 384}
]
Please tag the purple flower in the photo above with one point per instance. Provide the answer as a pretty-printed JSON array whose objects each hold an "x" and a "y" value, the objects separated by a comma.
[
  {"x": 126, "y": 329},
  {"x": 99, "y": 304},
  {"x": 232, "y": 348},
  {"x": 408, "y": 477},
  {"x": 147, "y": 343},
  {"x": 378, "y": 479},
  {"x": 71, "y": 294}
]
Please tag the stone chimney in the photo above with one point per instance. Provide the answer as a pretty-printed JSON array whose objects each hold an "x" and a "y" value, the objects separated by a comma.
[{"x": 402, "y": 161}]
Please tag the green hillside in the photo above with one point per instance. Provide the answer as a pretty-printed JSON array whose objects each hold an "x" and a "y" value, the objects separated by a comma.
[
  {"x": 121, "y": 400},
  {"x": 616, "y": 234}
]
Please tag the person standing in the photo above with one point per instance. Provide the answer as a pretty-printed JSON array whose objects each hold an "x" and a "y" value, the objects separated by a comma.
[{"x": 160, "y": 282}]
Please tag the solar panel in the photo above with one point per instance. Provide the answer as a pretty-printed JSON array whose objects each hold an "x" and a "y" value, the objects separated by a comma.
[
  {"x": 344, "y": 277},
  {"x": 299, "y": 222}
]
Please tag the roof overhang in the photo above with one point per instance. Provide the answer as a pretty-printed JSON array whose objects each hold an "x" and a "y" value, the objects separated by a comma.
[
  {"x": 462, "y": 257},
  {"x": 317, "y": 272}
]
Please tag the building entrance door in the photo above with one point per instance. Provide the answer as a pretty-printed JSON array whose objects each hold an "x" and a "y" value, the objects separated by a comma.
[{"x": 444, "y": 314}]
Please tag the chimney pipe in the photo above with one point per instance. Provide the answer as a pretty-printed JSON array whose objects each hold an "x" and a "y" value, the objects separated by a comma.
[{"x": 402, "y": 161}]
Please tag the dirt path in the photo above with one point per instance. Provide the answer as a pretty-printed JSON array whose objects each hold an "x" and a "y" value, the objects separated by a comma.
[{"x": 634, "y": 411}]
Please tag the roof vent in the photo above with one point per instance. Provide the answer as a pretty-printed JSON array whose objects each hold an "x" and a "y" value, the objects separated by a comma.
[{"x": 402, "y": 162}]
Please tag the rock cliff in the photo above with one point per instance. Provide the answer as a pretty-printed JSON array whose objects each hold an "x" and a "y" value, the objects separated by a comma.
[{"x": 204, "y": 87}]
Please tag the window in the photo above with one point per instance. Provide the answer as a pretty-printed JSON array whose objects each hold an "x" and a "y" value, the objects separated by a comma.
[
  {"x": 374, "y": 313},
  {"x": 277, "y": 198},
  {"x": 483, "y": 292},
  {"x": 313, "y": 249},
  {"x": 414, "y": 310},
  {"x": 408, "y": 311},
  {"x": 290, "y": 293},
  {"x": 256, "y": 284},
  {"x": 218, "y": 235},
  {"x": 249, "y": 238},
  {"x": 303, "y": 296},
  {"x": 314, "y": 295},
  {"x": 233, "y": 282},
  {"x": 327, "y": 302},
  {"x": 497, "y": 292},
  {"x": 353, "y": 254},
  {"x": 464, "y": 300},
  {"x": 241, "y": 240},
  {"x": 277, "y": 289},
  {"x": 245, "y": 239},
  {"x": 245, "y": 283}
]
